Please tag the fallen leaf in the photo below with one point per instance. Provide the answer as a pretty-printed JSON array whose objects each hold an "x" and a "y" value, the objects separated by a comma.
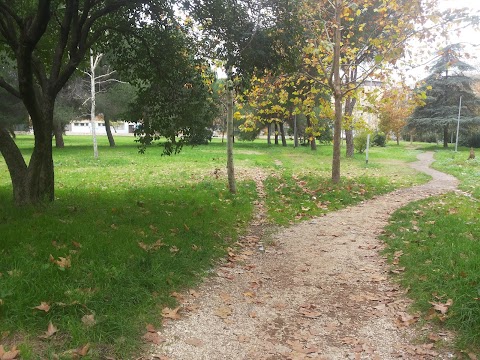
[
  {"x": 62, "y": 262},
  {"x": 442, "y": 308},
  {"x": 83, "y": 350},
  {"x": 153, "y": 337},
  {"x": 472, "y": 356},
  {"x": 174, "y": 249},
  {"x": 51, "y": 330},
  {"x": 226, "y": 298},
  {"x": 223, "y": 312},
  {"x": 177, "y": 296},
  {"x": 9, "y": 355},
  {"x": 150, "y": 328},
  {"x": 76, "y": 244},
  {"x": 194, "y": 342},
  {"x": 169, "y": 313},
  {"x": 88, "y": 320},
  {"x": 43, "y": 306}
]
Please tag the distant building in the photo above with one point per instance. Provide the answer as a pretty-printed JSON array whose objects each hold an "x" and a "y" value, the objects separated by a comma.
[{"x": 84, "y": 127}]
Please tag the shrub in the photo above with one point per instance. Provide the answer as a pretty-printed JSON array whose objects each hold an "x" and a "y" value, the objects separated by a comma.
[
  {"x": 360, "y": 142},
  {"x": 379, "y": 139}
]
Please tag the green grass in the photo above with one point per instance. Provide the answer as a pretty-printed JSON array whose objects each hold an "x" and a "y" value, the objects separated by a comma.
[
  {"x": 440, "y": 241},
  {"x": 106, "y": 210}
]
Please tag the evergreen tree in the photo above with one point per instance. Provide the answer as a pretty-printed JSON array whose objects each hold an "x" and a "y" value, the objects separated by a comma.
[{"x": 444, "y": 87}]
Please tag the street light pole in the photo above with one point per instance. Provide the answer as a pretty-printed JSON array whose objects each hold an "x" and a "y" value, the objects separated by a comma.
[{"x": 458, "y": 122}]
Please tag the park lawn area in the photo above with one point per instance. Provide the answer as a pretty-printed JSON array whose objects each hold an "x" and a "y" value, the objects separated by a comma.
[
  {"x": 437, "y": 240},
  {"x": 127, "y": 230}
]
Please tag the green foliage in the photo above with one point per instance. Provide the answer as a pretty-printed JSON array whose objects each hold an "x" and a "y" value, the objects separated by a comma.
[
  {"x": 380, "y": 139},
  {"x": 444, "y": 87},
  {"x": 360, "y": 142}
]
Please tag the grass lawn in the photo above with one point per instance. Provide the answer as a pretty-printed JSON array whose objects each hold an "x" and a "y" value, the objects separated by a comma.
[
  {"x": 127, "y": 230},
  {"x": 440, "y": 243}
]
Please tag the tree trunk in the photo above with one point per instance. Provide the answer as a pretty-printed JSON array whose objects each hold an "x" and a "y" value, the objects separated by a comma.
[
  {"x": 58, "y": 132},
  {"x": 295, "y": 131},
  {"x": 276, "y": 132},
  {"x": 349, "y": 106},
  {"x": 34, "y": 183},
  {"x": 398, "y": 138},
  {"x": 230, "y": 168},
  {"x": 349, "y": 142},
  {"x": 311, "y": 138},
  {"x": 337, "y": 91},
  {"x": 269, "y": 134},
  {"x": 445, "y": 136},
  {"x": 282, "y": 134},
  {"x": 111, "y": 140}
]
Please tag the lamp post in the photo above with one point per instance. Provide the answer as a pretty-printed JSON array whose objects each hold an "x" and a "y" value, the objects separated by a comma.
[{"x": 458, "y": 122}]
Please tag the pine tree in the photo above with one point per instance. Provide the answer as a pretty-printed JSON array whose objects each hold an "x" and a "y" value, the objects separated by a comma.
[{"x": 444, "y": 87}]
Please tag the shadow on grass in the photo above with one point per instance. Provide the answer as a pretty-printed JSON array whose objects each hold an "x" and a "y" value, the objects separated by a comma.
[{"x": 115, "y": 256}]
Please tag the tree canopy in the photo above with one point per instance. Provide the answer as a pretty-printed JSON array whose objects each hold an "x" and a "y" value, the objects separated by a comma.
[{"x": 447, "y": 83}]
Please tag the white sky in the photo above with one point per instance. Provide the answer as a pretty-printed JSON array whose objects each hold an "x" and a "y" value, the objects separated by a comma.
[{"x": 470, "y": 37}]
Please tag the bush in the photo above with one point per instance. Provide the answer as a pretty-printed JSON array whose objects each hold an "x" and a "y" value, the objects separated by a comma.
[
  {"x": 379, "y": 139},
  {"x": 360, "y": 142}
]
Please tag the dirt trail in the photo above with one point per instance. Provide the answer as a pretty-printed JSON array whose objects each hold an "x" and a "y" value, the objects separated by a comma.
[{"x": 319, "y": 291}]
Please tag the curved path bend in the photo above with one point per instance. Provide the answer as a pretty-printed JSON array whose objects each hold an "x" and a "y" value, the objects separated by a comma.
[{"x": 319, "y": 291}]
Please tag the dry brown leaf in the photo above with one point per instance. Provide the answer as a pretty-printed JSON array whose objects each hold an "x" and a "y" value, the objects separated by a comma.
[
  {"x": 194, "y": 342},
  {"x": 89, "y": 320},
  {"x": 62, "y": 262},
  {"x": 83, "y": 350},
  {"x": 9, "y": 355},
  {"x": 43, "y": 307},
  {"x": 153, "y": 337},
  {"x": 442, "y": 308},
  {"x": 77, "y": 244},
  {"x": 51, "y": 330},
  {"x": 169, "y": 313},
  {"x": 404, "y": 319},
  {"x": 150, "y": 328},
  {"x": 226, "y": 298},
  {"x": 472, "y": 356},
  {"x": 223, "y": 312},
  {"x": 177, "y": 296}
]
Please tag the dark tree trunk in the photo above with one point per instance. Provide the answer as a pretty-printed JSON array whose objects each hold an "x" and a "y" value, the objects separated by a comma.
[
  {"x": 282, "y": 134},
  {"x": 269, "y": 134},
  {"x": 111, "y": 141},
  {"x": 276, "y": 132},
  {"x": 58, "y": 133},
  {"x": 34, "y": 183},
  {"x": 295, "y": 132},
  {"x": 445, "y": 136}
]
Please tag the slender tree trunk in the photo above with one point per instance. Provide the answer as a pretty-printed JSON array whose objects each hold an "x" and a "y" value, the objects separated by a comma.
[
  {"x": 445, "y": 136},
  {"x": 108, "y": 129},
  {"x": 295, "y": 131},
  {"x": 230, "y": 168},
  {"x": 398, "y": 138},
  {"x": 269, "y": 133},
  {"x": 311, "y": 138},
  {"x": 93, "y": 65},
  {"x": 58, "y": 133},
  {"x": 282, "y": 134},
  {"x": 276, "y": 132},
  {"x": 349, "y": 106},
  {"x": 337, "y": 94}
]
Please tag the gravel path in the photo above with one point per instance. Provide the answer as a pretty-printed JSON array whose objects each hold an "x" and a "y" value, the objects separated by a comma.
[{"x": 318, "y": 291}]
